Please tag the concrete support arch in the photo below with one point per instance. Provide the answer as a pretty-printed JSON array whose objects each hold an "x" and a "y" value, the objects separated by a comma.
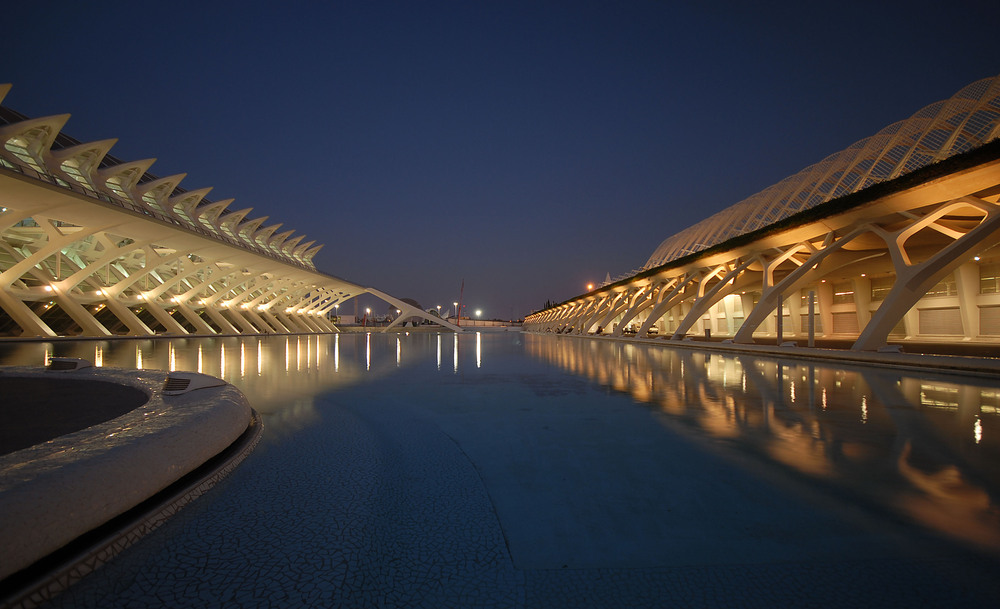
[{"x": 913, "y": 280}]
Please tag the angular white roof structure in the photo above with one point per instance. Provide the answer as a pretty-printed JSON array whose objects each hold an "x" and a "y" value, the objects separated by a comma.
[
  {"x": 94, "y": 245},
  {"x": 968, "y": 119}
]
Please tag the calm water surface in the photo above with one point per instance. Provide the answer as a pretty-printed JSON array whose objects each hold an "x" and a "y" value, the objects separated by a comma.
[{"x": 923, "y": 449}]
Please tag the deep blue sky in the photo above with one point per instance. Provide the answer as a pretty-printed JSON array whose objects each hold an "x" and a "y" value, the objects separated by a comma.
[{"x": 526, "y": 147}]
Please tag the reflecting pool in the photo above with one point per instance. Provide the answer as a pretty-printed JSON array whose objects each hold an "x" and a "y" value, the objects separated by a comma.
[
  {"x": 518, "y": 470},
  {"x": 925, "y": 446}
]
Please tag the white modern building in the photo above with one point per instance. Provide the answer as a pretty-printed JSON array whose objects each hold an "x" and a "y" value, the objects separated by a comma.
[
  {"x": 892, "y": 239},
  {"x": 91, "y": 245}
]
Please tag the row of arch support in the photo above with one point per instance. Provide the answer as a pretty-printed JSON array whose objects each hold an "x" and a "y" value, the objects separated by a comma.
[{"x": 692, "y": 292}]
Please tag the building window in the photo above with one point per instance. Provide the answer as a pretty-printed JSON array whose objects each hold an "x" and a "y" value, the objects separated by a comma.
[
  {"x": 881, "y": 286},
  {"x": 945, "y": 287},
  {"x": 843, "y": 293},
  {"x": 989, "y": 278}
]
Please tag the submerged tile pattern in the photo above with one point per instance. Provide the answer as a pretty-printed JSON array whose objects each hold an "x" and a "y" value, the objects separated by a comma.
[
  {"x": 49, "y": 586},
  {"x": 376, "y": 515},
  {"x": 412, "y": 489},
  {"x": 380, "y": 508}
]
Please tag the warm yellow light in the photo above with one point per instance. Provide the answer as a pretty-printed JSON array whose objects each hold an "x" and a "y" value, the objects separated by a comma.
[{"x": 590, "y": 287}]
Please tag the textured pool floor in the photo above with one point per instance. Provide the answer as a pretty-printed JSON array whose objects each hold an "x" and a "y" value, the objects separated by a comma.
[
  {"x": 513, "y": 484},
  {"x": 383, "y": 509}
]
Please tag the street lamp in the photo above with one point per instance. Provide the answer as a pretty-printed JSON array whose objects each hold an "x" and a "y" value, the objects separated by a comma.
[
  {"x": 479, "y": 312},
  {"x": 590, "y": 287}
]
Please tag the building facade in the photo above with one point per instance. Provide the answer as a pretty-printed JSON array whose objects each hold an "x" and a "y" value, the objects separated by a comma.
[
  {"x": 91, "y": 245},
  {"x": 892, "y": 239}
]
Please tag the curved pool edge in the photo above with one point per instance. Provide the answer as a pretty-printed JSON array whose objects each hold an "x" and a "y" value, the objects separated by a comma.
[{"x": 73, "y": 503}]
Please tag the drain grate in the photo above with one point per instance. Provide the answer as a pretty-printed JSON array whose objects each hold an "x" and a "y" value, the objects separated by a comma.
[
  {"x": 174, "y": 383},
  {"x": 178, "y": 383}
]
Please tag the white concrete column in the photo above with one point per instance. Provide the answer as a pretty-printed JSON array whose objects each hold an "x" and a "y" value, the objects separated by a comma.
[
  {"x": 290, "y": 322},
  {"x": 862, "y": 287},
  {"x": 794, "y": 304},
  {"x": 967, "y": 284},
  {"x": 245, "y": 325},
  {"x": 192, "y": 316},
  {"x": 274, "y": 321},
  {"x": 30, "y": 324},
  {"x": 136, "y": 326},
  {"x": 824, "y": 298},
  {"x": 262, "y": 326},
  {"x": 225, "y": 326},
  {"x": 166, "y": 320},
  {"x": 87, "y": 322}
]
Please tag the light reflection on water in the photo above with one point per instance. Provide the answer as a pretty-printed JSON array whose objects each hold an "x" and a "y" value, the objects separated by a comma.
[
  {"x": 924, "y": 446},
  {"x": 280, "y": 375}
]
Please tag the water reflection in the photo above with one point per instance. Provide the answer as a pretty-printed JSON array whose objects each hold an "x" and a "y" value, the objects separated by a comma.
[
  {"x": 924, "y": 445},
  {"x": 280, "y": 375}
]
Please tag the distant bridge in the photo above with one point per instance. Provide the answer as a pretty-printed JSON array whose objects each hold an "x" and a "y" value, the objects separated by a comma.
[{"x": 891, "y": 239}]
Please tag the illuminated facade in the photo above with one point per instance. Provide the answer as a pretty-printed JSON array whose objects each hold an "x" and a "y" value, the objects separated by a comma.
[
  {"x": 890, "y": 239},
  {"x": 91, "y": 245}
]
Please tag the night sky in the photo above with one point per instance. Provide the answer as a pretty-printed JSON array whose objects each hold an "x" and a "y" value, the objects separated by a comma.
[{"x": 527, "y": 148}]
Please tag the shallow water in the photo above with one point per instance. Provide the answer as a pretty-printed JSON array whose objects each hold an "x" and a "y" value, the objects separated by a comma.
[{"x": 508, "y": 464}]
